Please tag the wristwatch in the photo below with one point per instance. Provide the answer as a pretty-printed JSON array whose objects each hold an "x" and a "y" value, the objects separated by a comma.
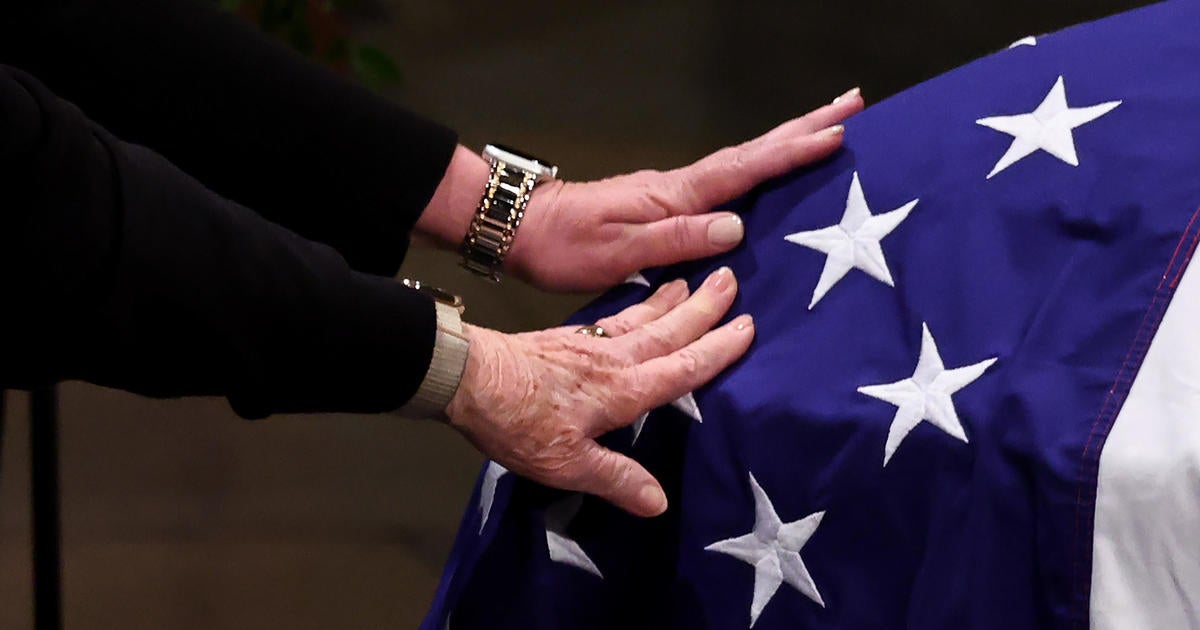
[
  {"x": 511, "y": 180},
  {"x": 450, "y": 348}
]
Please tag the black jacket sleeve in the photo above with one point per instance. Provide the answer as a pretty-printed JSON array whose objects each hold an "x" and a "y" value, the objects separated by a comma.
[
  {"x": 121, "y": 270},
  {"x": 244, "y": 114}
]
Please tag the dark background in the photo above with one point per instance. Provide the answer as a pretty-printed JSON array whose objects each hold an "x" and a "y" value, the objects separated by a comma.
[{"x": 179, "y": 515}]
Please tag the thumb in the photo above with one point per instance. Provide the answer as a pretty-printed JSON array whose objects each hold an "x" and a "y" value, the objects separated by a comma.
[
  {"x": 683, "y": 237},
  {"x": 620, "y": 481}
]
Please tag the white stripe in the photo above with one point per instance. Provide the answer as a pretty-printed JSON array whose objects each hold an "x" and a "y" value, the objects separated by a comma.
[{"x": 1146, "y": 562}]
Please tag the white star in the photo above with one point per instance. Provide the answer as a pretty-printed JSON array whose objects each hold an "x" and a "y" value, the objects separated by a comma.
[
  {"x": 686, "y": 404},
  {"x": 487, "y": 491},
  {"x": 926, "y": 396},
  {"x": 773, "y": 549},
  {"x": 563, "y": 549},
  {"x": 637, "y": 278},
  {"x": 1049, "y": 128},
  {"x": 1025, "y": 41},
  {"x": 853, "y": 242}
]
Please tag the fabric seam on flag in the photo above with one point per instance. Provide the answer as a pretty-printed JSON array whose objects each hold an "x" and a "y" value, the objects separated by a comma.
[{"x": 1089, "y": 461}]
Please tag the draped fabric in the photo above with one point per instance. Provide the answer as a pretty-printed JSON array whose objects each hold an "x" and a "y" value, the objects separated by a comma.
[{"x": 973, "y": 400}]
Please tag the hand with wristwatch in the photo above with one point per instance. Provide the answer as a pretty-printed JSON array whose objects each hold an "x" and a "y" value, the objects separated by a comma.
[{"x": 535, "y": 402}]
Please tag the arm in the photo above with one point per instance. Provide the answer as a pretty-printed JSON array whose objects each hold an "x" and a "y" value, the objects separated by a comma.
[
  {"x": 248, "y": 117},
  {"x": 121, "y": 270}
]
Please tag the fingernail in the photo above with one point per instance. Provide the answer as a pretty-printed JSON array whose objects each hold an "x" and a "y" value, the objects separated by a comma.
[
  {"x": 652, "y": 497},
  {"x": 674, "y": 289},
  {"x": 851, "y": 93},
  {"x": 726, "y": 231},
  {"x": 743, "y": 322},
  {"x": 835, "y": 130},
  {"x": 721, "y": 278}
]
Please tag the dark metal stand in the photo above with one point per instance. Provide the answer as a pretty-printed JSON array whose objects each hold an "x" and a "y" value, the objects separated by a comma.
[
  {"x": 3, "y": 400},
  {"x": 47, "y": 528}
]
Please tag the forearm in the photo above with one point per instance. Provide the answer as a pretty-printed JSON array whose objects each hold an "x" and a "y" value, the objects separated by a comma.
[
  {"x": 126, "y": 272},
  {"x": 251, "y": 119}
]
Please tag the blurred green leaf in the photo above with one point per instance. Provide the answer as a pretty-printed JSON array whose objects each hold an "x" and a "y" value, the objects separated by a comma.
[
  {"x": 291, "y": 21},
  {"x": 374, "y": 67}
]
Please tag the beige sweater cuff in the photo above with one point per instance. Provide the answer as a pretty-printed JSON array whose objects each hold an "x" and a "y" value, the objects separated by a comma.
[{"x": 445, "y": 370}]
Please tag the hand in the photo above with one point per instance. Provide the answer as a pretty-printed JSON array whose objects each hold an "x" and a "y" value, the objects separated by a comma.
[
  {"x": 590, "y": 236},
  {"x": 535, "y": 402}
]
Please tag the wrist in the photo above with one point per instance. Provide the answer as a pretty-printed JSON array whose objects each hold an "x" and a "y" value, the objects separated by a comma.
[
  {"x": 452, "y": 207},
  {"x": 513, "y": 179},
  {"x": 543, "y": 203},
  {"x": 465, "y": 404}
]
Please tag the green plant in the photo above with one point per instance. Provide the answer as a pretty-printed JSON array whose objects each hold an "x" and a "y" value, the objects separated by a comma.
[{"x": 318, "y": 29}]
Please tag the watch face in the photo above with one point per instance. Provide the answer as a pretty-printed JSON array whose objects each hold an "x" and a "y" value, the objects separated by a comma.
[
  {"x": 508, "y": 155},
  {"x": 520, "y": 154}
]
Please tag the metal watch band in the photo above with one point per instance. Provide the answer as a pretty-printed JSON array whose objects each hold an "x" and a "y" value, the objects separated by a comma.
[
  {"x": 497, "y": 218},
  {"x": 449, "y": 359}
]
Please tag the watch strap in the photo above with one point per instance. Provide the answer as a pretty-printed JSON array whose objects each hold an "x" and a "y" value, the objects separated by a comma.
[{"x": 499, "y": 214}]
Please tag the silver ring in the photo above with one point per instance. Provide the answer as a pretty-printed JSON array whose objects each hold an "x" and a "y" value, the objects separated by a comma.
[{"x": 592, "y": 331}]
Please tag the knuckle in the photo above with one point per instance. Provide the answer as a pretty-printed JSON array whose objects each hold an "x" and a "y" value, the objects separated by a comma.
[
  {"x": 657, "y": 194},
  {"x": 621, "y": 473},
  {"x": 645, "y": 176},
  {"x": 656, "y": 339},
  {"x": 676, "y": 190},
  {"x": 612, "y": 470},
  {"x": 737, "y": 158},
  {"x": 641, "y": 391},
  {"x": 681, "y": 232},
  {"x": 690, "y": 363},
  {"x": 616, "y": 324},
  {"x": 689, "y": 191},
  {"x": 624, "y": 406},
  {"x": 630, "y": 396},
  {"x": 557, "y": 462},
  {"x": 577, "y": 346}
]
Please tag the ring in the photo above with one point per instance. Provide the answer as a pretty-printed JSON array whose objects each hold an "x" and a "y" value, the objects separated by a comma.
[{"x": 592, "y": 331}]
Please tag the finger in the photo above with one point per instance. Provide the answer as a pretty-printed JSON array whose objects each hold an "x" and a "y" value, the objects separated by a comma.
[
  {"x": 667, "y": 297},
  {"x": 684, "y": 323},
  {"x": 668, "y": 377},
  {"x": 620, "y": 481},
  {"x": 679, "y": 238},
  {"x": 824, "y": 117},
  {"x": 733, "y": 171},
  {"x": 708, "y": 182}
]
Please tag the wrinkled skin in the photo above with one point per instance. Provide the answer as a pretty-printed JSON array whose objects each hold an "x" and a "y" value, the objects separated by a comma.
[{"x": 535, "y": 402}]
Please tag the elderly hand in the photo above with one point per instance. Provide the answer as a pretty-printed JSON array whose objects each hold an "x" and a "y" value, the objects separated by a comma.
[
  {"x": 589, "y": 236},
  {"x": 535, "y": 402}
]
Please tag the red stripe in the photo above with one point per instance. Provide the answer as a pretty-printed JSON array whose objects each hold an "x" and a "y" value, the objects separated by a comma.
[{"x": 1089, "y": 459}]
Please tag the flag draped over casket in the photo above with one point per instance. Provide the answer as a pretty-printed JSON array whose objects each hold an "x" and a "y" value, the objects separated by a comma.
[{"x": 973, "y": 400}]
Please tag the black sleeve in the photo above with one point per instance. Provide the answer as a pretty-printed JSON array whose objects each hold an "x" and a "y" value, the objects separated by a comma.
[
  {"x": 121, "y": 270},
  {"x": 244, "y": 114}
]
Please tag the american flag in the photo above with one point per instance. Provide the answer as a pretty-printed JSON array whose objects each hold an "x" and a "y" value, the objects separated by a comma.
[{"x": 973, "y": 400}]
